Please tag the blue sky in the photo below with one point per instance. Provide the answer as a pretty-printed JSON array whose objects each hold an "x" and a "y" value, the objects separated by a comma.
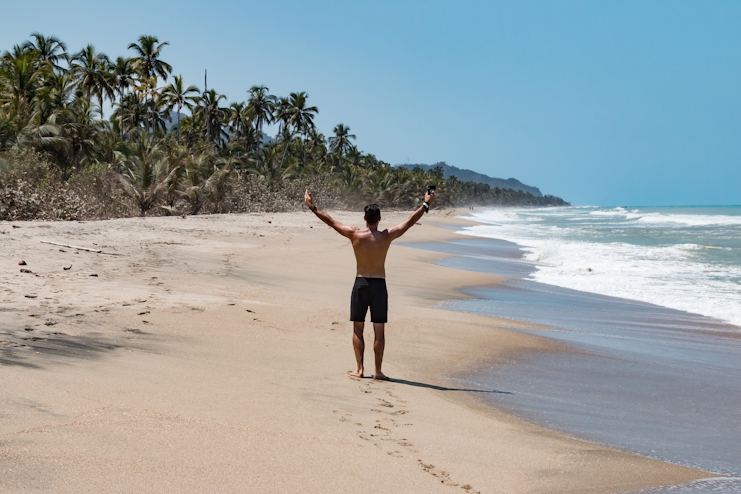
[{"x": 602, "y": 103}]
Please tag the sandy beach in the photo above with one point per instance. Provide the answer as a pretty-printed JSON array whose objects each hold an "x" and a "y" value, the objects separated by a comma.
[{"x": 209, "y": 354}]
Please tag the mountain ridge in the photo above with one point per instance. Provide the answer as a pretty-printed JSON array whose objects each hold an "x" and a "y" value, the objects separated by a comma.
[{"x": 466, "y": 175}]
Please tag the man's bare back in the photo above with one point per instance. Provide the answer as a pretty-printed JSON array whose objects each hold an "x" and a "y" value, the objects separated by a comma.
[{"x": 370, "y": 246}]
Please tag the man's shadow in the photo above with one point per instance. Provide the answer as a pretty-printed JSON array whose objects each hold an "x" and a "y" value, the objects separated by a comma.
[{"x": 443, "y": 388}]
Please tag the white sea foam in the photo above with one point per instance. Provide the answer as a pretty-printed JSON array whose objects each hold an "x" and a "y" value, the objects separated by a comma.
[
  {"x": 665, "y": 269},
  {"x": 689, "y": 220}
]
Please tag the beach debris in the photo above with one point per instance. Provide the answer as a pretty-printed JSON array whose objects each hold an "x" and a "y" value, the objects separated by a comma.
[
  {"x": 15, "y": 226},
  {"x": 30, "y": 296},
  {"x": 94, "y": 274},
  {"x": 335, "y": 322},
  {"x": 142, "y": 313},
  {"x": 270, "y": 221},
  {"x": 67, "y": 269},
  {"x": 26, "y": 271},
  {"x": 62, "y": 250},
  {"x": 21, "y": 262},
  {"x": 50, "y": 322},
  {"x": 249, "y": 310},
  {"x": 589, "y": 269},
  {"x": 28, "y": 328},
  {"x": 97, "y": 251},
  {"x": 3, "y": 232}
]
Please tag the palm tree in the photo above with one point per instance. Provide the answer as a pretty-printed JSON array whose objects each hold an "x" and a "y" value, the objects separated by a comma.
[
  {"x": 21, "y": 76},
  {"x": 94, "y": 77},
  {"x": 123, "y": 74},
  {"x": 148, "y": 64},
  {"x": 148, "y": 175},
  {"x": 49, "y": 49},
  {"x": 299, "y": 116},
  {"x": 340, "y": 143},
  {"x": 130, "y": 112},
  {"x": 260, "y": 109},
  {"x": 208, "y": 108},
  {"x": 177, "y": 94},
  {"x": 236, "y": 120},
  {"x": 56, "y": 95},
  {"x": 147, "y": 60},
  {"x": 268, "y": 169}
]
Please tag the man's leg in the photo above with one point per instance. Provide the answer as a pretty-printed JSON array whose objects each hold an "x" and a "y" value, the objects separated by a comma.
[
  {"x": 358, "y": 345},
  {"x": 378, "y": 346}
]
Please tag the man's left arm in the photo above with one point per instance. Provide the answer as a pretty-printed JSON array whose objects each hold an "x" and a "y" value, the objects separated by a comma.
[{"x": 402, "y": 228}]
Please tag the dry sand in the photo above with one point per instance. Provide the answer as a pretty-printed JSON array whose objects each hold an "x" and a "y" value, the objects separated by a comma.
[{"x": 209, "y": 355}]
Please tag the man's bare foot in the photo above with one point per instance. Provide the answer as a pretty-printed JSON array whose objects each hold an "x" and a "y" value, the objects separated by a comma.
[
  {"x": 357, "y": 373},
  {"x": 380, "y": 376}
]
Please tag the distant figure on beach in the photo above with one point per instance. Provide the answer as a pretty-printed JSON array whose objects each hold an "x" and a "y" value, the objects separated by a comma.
[{"x": 370, "y": 246}]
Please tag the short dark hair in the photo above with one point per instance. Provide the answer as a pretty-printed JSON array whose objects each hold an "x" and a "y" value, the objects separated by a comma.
[{"x": 372, "y": 214}]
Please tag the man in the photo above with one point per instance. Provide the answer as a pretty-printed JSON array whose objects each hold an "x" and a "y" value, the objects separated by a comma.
[{"x": 370, "y": 246}]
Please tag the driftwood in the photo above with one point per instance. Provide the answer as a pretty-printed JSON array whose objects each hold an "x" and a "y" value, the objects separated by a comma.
[{"x": 71, "y": 246}]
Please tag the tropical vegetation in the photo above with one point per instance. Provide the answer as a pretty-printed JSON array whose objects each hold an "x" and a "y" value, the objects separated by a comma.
[{"x": 168, "y": 147}]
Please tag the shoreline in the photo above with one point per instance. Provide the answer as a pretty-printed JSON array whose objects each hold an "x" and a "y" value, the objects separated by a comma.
[
  {"x": 624, "y": 417},
  {"x": 189, "y": 373}
]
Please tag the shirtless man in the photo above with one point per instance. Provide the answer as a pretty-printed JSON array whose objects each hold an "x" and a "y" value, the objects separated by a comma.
[{"x": 370, "y": 246}]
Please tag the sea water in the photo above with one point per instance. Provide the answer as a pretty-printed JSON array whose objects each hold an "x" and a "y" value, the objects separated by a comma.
[
  {"x": 648, "y": 297},
  {"x": 686, "y": 258}
]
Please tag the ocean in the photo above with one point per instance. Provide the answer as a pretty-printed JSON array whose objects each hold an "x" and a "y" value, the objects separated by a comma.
[
  {"x": 685, "y": 258},
  {"x": 648, "y": 299}
]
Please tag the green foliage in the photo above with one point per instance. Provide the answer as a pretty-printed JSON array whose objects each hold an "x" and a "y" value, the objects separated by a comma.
[{"x": 60, "y": 159}]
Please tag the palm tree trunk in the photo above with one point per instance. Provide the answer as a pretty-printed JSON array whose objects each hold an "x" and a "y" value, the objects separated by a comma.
[
  {"x": 180, "y": 106},
  {"x": 285, "y": 151}
]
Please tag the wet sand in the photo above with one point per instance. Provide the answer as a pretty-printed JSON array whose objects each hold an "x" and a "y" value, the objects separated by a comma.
[
  {"x": 640, "y": 377},
  {"x": 209, "y": 354}
]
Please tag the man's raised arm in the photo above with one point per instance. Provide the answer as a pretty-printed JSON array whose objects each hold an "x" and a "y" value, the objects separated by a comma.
[
  {"x": 402, "y": 228},
  {"x": 342, "y": 229}
]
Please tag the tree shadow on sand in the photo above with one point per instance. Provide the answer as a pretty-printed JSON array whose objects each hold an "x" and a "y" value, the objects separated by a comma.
[{"x": 417, "y": 384}]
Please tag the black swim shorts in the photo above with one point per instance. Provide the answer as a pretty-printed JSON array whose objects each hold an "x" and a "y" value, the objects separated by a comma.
[{"x": 369, "y": 292}]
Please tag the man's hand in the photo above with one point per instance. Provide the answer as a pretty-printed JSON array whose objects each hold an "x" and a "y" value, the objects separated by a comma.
[
  {"x": 429, "y": 196},
  {"x": 309, "y": 199}
]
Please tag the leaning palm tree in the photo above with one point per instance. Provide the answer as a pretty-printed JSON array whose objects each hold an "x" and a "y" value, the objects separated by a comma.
[
  {"x": 176, "y": 94},
  {"x": 260, "y": 109},
  {"x": 92, "y": 71},
  {"x": 340, "y": 143}
]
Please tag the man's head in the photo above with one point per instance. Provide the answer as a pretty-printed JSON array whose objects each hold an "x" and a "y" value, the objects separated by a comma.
[{"x": 372, "y": 214}]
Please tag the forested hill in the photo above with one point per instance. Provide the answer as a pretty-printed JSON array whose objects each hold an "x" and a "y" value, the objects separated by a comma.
[{"x": 472, "y": 176}]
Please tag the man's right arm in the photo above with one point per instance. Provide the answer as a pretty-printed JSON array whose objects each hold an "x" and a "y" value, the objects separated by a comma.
[{"x": 342, "y": 229}]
